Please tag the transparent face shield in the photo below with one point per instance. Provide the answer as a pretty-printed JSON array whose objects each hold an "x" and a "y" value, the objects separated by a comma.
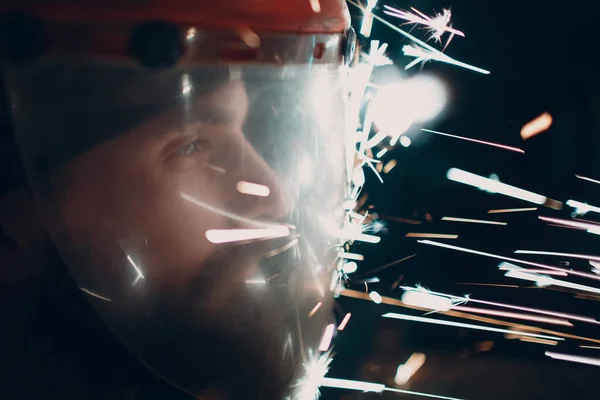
[{"x": 189, "y": 206}]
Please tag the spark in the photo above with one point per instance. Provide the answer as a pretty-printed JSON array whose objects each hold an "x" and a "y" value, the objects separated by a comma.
[
  {"x": 589, "y": 227},
  {"x": 388, "y": 265},
  {"x": 431, "y": 235},
  {"x": 389, "y": 166},
  {"x": 510, "y": 210},
  {"x": 405, "y": 141},
  {"x": 400, "y": 219},
  {"x": 374, "y": 388},
  {"x": 190, "y": 34},
  {"x": 582, "y": 208},
  {"x": 424, "y": 299},
  {"x": 352, "y": 385},
  {"x": 314, "y": 370},
  {"x": 376, "y": 297},
  {"x": 137, "y": 269},
  {"x": 547, "y": 281},
  {"x": 327, "y": 336},
  {"x": 473, "y": 221},
  {"x": 438, "y": 54},
  {"x": 349, "y": 233},
  {"x": 255, "y": 281},
  {"x": 344, "y": 322},
  {"x": 394, "y": 302},
  {"x": 367, "y": 23},
  {"x": 351, "y": 256},
  {"x": 508, "y": 267},
  {"x": 215, "y": 168},
  {"x": 587, "y": 179},
  {"x": 573, "y": 358},
  {"x": 409, "y": 368},
  {"x": 286, "y": 247},
  {"x": 490, "y": 185},
  {"x": 315, "y": 309},
  {"x": 381, "y": 152},
  {"x": 349, "y": 267},
  {"x": 437, "y": 25},
  {"x": 527, "y": 317},
  {"x": 423, "y": 54},
  {"x": 236, "y": 235},
  {"x": 500, "y": 146},
  {"x": 539, "y": 341},
  {"x": 315, "y": 5},
  {"x": 551, "y": 253},
  {"x": 226, "y": 214},
  {"x": 481, "y": 253},
  {"x": 590, "y": 347},
  {"x": 253, "y": 189},
  {"x": 250, "y": 38},
  {"x": 464, "y": 325},
  {"x": 465, "y": 299},
  {"x": 487, "y": 284},
  {"x": 94, "y": 294},
  {"x": 186, "y": 85},
  {"x": 536, "y": 126}
]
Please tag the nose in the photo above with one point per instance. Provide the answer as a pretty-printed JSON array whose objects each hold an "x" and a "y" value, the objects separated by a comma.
[{"x": 257, "y": 191}]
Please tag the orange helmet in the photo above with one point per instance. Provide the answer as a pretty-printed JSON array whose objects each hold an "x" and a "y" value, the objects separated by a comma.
[{"x": 189, "y": 161}]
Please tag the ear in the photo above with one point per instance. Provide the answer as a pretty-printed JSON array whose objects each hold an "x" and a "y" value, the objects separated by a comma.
[{"x": 23, "y": 239}]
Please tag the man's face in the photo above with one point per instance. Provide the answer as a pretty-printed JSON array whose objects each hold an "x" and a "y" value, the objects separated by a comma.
[
  {"x": 131, "y": 191},
  {"x": 151, "y": 194}
]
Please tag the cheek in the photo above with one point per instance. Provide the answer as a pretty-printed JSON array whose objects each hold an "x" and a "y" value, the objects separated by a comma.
[{"x": 172, "y": 230}]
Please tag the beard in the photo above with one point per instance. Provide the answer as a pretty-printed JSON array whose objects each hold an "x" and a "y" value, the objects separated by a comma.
[{"x": 218, "y": 334}]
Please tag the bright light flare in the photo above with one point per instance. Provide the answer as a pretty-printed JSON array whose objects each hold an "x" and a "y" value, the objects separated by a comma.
[
  {"x": 406, "y": 317},
  {"x": 574, "y": 358},
  {"x": 396, "y": 106},
  {"x": 253, "y": 189},
  {"x": 490, "y": 185},
  {"x": 473, "y": 221},
  {"x": 236, "y": 235},
  {"x": 327, "y": 337},
  {"x": 536, "y": 126},
  {"x": 500, "y": 146},
  {"x": 344, "y": 322},
  {"x": 257, "y": 281},
  {"x": 409, "y": 368}
]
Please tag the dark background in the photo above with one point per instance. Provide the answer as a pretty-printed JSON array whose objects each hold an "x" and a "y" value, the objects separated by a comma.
[{"x": 542, "y": 57}]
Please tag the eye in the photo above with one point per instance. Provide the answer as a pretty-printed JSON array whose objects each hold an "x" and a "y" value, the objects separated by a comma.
[{"x": 197, "y": 146}]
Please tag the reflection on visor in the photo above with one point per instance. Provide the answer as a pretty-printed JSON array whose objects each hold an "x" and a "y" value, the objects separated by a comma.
[{"x": 189, "y": 206}]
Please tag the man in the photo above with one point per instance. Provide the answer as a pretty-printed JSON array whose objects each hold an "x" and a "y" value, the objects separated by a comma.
[{"x": 191, "y": 197}]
